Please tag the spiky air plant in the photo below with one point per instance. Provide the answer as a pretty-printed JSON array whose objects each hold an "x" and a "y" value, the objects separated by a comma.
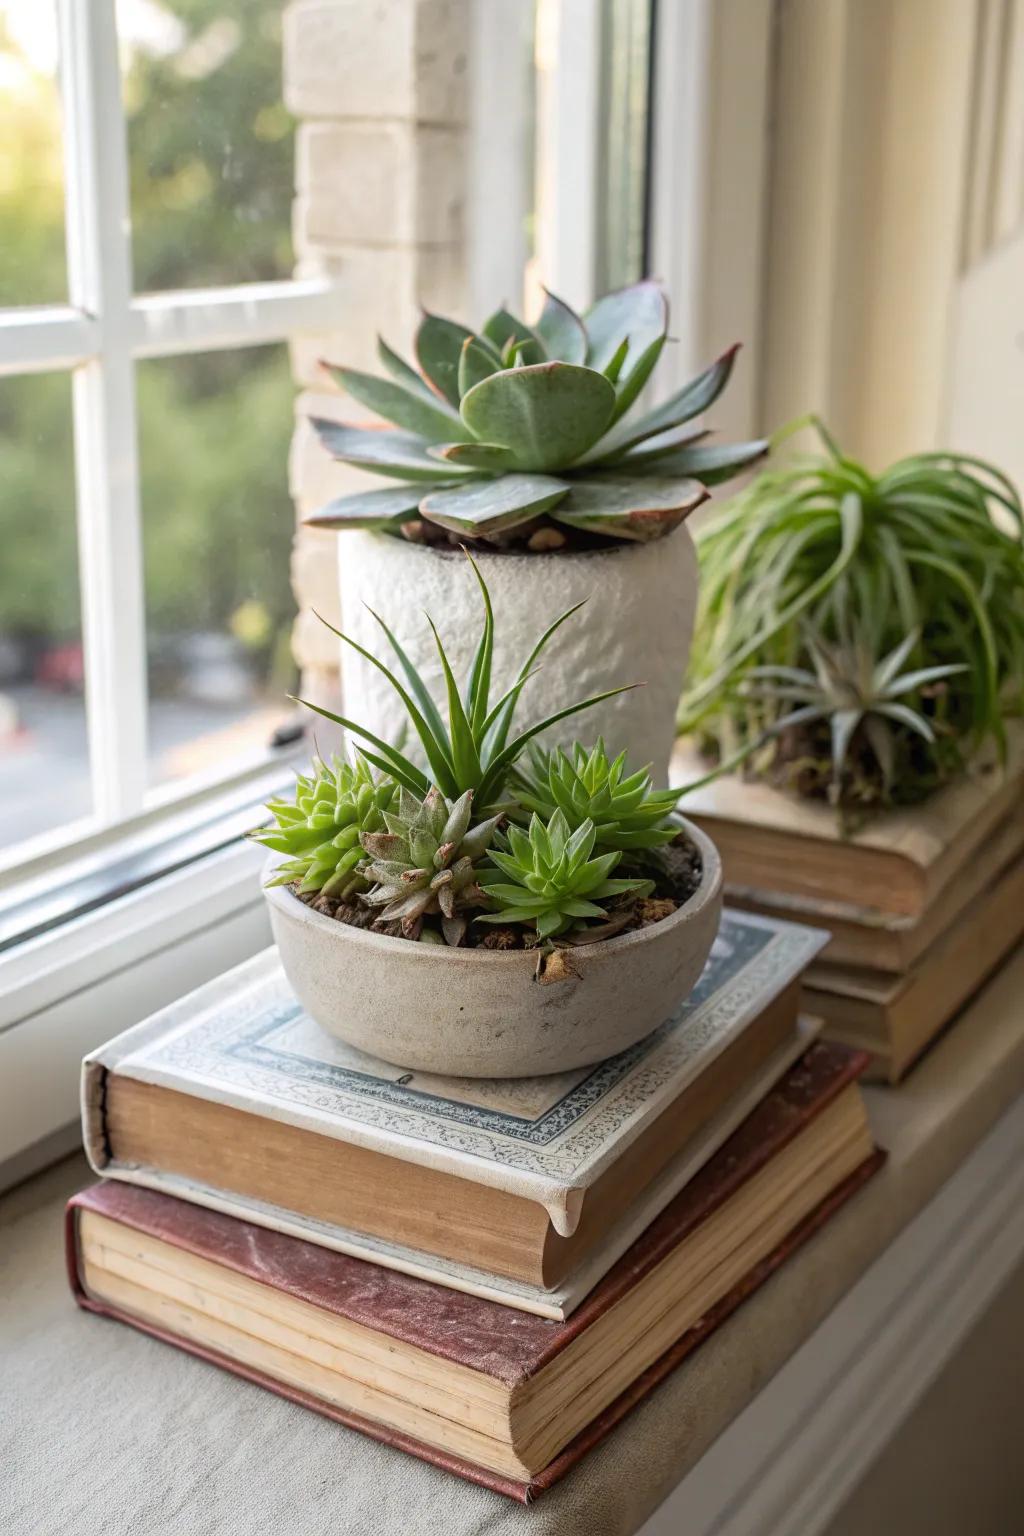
[
  {"x": 513, "y": 427},
  {"x": 423, "y": 863},
  {"x": 319, "y": 830},
  {"x": 476, "y": 749},
  {"x": 628, "y": 813},
  {"x": 547, "y": 879},
  {"x": 932, "y": 547},
  {"x": 861, "y": 700}
]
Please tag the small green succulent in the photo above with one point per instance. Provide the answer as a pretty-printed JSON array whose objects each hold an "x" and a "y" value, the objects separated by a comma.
[
  {"x": 475, "y": 750},
  {"x": 853, "y": 692},
  {"x": 627, "y": 811},
  {"x": 423, "y": 862},
  {"x": 319, "y": 830},
  {"x": 547, "y": 878},
  {"x": 513, "y": 423}
]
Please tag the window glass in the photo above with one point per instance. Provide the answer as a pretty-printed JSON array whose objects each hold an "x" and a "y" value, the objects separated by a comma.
[
  {"x": 32, "y": 263},
  {"x": 210, "y": 143},
  {"x": 44, "y": 753},
  {"x": 217, "y": 531}
]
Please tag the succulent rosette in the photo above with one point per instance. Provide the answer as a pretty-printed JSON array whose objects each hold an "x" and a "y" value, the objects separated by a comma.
[{"x": 499, "y": 428}]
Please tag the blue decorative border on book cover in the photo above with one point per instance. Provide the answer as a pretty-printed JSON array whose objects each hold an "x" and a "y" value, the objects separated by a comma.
[{"x": 737, "y": 945}]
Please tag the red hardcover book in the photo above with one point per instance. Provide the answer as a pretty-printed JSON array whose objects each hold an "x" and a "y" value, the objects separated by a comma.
[{"x": 498, "y": 1396}]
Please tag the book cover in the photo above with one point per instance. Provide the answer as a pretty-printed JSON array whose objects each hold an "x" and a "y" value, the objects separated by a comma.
[
  {"x": 468, "y": 1330},
  {"x": 244, "y": 1040},
  {"x": 964, "y": 810}
]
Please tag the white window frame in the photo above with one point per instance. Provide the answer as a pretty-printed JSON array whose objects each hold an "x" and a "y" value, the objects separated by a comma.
[
  {"x": 69, "y": 986},
  {"x": 98, "y": 336}
]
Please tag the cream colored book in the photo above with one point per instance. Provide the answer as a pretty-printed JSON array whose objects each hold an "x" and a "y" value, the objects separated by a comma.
[
  {"x": 525, "y": 1191},
  {"x": 897, "y": 1017},
  {"x": 885, "y": 941},
  {"x": 899, "y": 862}
]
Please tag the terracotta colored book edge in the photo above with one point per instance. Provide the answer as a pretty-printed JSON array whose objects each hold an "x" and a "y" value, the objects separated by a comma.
[{"x": 522, "y": 1492}]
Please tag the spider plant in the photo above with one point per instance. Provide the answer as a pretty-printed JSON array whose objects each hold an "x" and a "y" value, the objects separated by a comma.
[{"x": 930, "y": 549}]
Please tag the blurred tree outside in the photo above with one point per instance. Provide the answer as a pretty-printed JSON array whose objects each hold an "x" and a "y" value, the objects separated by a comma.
[{"x": 211, "y": 167}]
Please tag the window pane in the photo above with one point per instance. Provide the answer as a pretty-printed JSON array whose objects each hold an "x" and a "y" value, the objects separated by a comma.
[
  {"x": 32, "y": 266},
  {"x": 44, "y": 754},
  {"x": 209, "y": 141},
  {"x": 217, "y": 530}
]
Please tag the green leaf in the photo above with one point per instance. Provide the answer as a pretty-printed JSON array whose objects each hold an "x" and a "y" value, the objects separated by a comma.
[
  {"x": 710, "y": 463},
  {"x": 479, "y": 687},
  {"x": 498, "y": 722},
  {"x": 381, "y": 452},
  {"x": 625, "y": 508},
  {"x": 493, "y": 506},
  {"x": 476, "y": 362},
  {"x": 561, "y": 331},
  {"x": 464, "y": 754},
  {"x": 639, "y": 312},
  {"x": 385, "y": 510},
  {"x": 439, "y": 344},
  {"x": 434, "y": 422},
  {"x": 415, "y": 681},
  {"x": 613, "y": 367},
  {"x": 390, "y": 760},
  {"x": 436, "y": 749},
  {"x": 498, "y": 765},
  {"x": 490, "y": 456},
  {"x": 547, "y": 415},
  {"x": 504, "y": 328},
  {"x": 634, "y": 375},
  {"x": 681, "y": 407},
  {"x": 400, "y": 370}
]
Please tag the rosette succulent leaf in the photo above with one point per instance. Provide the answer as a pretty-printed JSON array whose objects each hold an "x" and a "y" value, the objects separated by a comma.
[
  {"x": 512, "y": 424},
  {"x": 319, "y": 829},
  {"x": 547, "y": 878},
  {"x": 424, "y": 861},
  {"x": 627, "y": 811}
]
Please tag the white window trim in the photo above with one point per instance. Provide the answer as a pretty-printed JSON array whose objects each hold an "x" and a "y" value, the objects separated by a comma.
[{"x": 99, "y": 335}]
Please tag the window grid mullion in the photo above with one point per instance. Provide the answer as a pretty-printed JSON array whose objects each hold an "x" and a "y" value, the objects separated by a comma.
[{"x": 106, "y": 450}]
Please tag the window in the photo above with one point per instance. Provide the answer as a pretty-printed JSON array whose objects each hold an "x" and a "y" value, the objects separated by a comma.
[{"x": 146, "y": 404}]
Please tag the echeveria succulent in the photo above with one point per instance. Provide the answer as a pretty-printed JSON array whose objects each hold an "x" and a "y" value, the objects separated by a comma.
[
  {"x": 423, "y": 862},
  {"x": 627, "y": 811},
  {"x": 319, "y": 829},
  {"x": 547, "y": 878},
  {"x": 514, "y": 423}
]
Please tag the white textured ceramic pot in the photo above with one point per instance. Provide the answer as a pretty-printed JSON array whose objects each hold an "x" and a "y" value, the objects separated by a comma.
[
  {"x": 636, "y": 627},
  {"x": 481, "y": 1013}
]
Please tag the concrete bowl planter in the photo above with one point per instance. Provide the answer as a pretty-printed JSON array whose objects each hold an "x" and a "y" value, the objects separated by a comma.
[
  {"x": 636, "y": 627},
  {"x": 481, "y": 1013}
]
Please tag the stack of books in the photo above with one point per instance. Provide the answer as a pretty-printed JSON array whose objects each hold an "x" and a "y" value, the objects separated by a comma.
[
  {"x": 486, "y": 1274},
  {"x": 921, "y": 905}
]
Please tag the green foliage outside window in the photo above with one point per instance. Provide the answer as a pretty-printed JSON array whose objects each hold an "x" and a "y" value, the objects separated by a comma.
[{"x": 211, "y": 167}]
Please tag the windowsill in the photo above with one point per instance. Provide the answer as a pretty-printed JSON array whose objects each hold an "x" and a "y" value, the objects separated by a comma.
[
  {"x": 765, "y": 1428},
  {"x": 94, "y": 942}
]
